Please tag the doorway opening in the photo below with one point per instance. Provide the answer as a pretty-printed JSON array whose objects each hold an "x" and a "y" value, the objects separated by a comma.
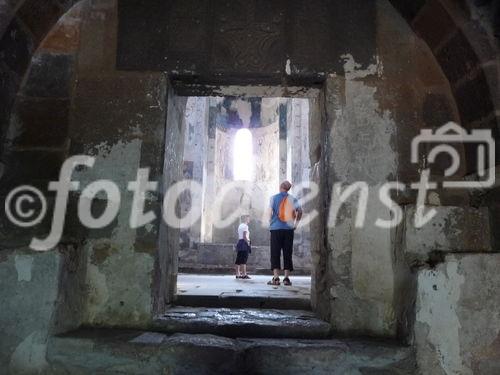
[{"x": 238, "y": 149}]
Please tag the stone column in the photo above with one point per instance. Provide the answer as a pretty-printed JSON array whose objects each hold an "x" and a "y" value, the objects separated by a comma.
[
  {"x": 194, "y": 155},
  {"x": 283, "y": 152},
  {"x": 209, "y": 175},
  {"x": 299, "y": 167},
  {"x": 361, "y": 260}
]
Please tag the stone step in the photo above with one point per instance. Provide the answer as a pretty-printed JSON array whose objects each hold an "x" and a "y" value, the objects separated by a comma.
[
  {"x": 235, "y": 301},
  {"x": 92, "y": 351},
  {"x": 225, "y": 291},
  {"x": 246, "y": 322}
]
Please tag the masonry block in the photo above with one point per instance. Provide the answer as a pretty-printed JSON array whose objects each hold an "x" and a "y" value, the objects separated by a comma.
[
  {"x": 453, "y": 229},
  {"x": 13, "y": 236},
  {"x": 492, "y": 75},
  {"x": 41, "y": 122},
  {"x": 17, "y": 47},
  {"x": 152, "y": 157},
  {"x": 30, "y": 166},
  {"x": 119, "y": 107},
  {"x": 490, "y": 123},
  {"x": 474, "y": 99},
  {"x": 6, "y": 13},
  {"x": 64, "y": 37},
  {"x": 10, "y": 85},
  {"x": 457, "y": 58},
  {"x": 408, "y": 8},
  {"x": 39, "y": 16},
  {"x": 49, "y": 76},
  {"x": 480, "y": 39},
  {"x": 437, "y": 110},
  {"x": 433, "y": 23},
  {"x": 98, "y": 32}
]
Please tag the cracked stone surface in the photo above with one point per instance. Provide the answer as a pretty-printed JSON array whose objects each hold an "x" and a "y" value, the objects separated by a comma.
[
  {"x": 92, "y": 351},
  {"x": 243, "y": 322}
]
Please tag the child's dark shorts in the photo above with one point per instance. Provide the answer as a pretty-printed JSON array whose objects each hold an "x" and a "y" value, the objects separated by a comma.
[{"x": 242, "y": 251}]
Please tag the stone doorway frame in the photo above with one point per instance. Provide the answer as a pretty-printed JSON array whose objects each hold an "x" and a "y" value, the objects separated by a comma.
[{"x": 166, "y": 265}]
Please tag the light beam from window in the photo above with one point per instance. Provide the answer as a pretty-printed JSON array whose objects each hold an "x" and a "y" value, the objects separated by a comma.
[{"x": 243, "y": 155}]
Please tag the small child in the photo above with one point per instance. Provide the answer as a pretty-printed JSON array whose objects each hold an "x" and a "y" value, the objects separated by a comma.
[{"x": 243, "y": 248}]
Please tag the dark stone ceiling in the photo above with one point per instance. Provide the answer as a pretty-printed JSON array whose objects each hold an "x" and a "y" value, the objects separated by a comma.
[{"x": 245, "y": 41}]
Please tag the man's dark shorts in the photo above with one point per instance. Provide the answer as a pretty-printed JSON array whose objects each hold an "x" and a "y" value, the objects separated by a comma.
[{"x": 282, "y": 239}]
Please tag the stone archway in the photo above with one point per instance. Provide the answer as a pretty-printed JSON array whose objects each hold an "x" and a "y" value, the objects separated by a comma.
[{"x": 24, "y": 24}]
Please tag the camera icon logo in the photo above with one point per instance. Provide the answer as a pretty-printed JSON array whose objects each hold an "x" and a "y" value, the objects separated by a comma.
[{"x": 452, "y": 133}]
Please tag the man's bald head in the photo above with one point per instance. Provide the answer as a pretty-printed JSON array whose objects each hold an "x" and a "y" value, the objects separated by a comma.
[{"x": 285, "y": 186}]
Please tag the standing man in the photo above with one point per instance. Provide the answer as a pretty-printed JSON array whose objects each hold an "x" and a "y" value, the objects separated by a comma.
[{"x": 284, "y": 216}]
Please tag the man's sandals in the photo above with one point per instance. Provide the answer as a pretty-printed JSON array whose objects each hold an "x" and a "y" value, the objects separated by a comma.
[{"x": 276, "y": 281}]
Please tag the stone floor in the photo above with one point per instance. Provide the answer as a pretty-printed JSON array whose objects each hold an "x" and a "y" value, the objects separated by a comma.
[
  {"x": 219, "y": 340},
  {"x": 227, "y": 291},
  {"x": 205, "y": 340}
]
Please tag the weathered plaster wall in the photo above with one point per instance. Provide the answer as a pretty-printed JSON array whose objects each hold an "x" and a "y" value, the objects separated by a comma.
[
  {"x": 453, "y": 229},
  {"x": 86, "y": 107},
  {"x": 119, "y": 118},
  {"x": 29, "y": 291},
  {"x": 372, "y": 115},
  {"x": 360, "y": 255},
  {"x": 37, "y": 303},
  {"x": 457, "y": 329}
]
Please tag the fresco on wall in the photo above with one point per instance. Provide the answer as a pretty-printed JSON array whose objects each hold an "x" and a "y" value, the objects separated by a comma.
[{"x": 238, "y": 113}]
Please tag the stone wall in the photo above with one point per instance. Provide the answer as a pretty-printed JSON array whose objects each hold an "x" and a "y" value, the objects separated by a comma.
[
  {"x": 263, "y": 117},
  {"x": 370, "y": 114},
  {"x": 40, "y": 299},
  {"x": 457, "y": 328},
  {"x": 220, "y": 258},
  {"x": 369, "y": 130},
  {"x": 195, "y": 155},
  {"x": 85, "y": 106},
  {"x": 246, "y": 41}
]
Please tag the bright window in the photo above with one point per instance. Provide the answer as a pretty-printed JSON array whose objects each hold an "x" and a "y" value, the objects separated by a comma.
[{"x": 243, "y": 155}]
